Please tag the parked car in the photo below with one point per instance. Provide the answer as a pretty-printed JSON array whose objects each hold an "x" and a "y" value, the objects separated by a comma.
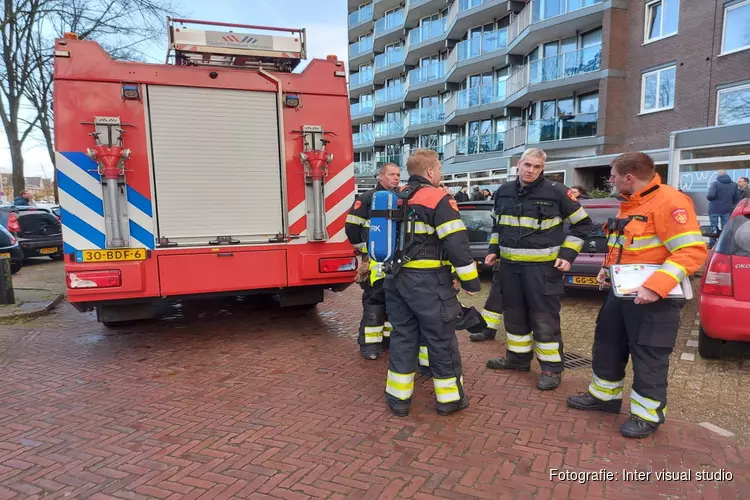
[
  {"x": 38, "y": 231},
  {"x": 9, "y": 249},
  {"x": 477, "y": 217},
  {"x": 724, "y": 293}
]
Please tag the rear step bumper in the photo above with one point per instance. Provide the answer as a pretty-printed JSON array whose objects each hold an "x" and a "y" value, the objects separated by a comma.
[{"x": 34, "y": 247}]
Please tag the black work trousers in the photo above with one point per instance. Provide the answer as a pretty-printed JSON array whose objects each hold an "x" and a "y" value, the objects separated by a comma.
[
  {"x": 532, "y": 304},
  {"x": 492, "y": 313},
  {"x": 374, "y": 328},
  {"x": 647, "y": 334},
  {"x": 423, "y": 305}
]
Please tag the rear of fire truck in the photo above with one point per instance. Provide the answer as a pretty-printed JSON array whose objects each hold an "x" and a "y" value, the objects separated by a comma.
[{"x": 219, "y": 172}]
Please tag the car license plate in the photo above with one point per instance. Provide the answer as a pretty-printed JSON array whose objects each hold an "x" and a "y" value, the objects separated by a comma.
[
  {"x": 583, "y": 280},
  {"x": 121, "y": 254},
  {"x": 45, "y": 251},
  {"x": 5, "y": 255}
]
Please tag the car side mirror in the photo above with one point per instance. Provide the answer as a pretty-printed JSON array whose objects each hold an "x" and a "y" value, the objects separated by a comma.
[{"x": 709, "y": 232}]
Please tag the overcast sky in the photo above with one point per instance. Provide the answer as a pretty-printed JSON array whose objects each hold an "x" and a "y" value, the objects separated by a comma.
[{"x": 325, "y": 21}]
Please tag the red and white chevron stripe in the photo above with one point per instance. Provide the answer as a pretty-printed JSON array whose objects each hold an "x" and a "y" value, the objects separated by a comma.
[{"x": 340, "y": 192}]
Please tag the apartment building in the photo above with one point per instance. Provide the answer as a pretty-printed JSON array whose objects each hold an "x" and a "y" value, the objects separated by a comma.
[{"x": 481, "y": 80}]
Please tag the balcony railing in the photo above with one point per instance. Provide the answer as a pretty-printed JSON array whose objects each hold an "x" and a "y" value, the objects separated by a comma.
[
  {"x": 388, "y": 129},
  {"x": 362, "y": 139},
  {"x": 479, "y": 96},
  {"x": 428, "y": 31},
  {"x": 398, "y": 159},
  {"x": 365, "y": 167},
  {"x": 464, "y": 5},
  {"x": 547, "y": 9},
  {"x": 425, "y": 116},
  {"x": 427, "y": 73},
  {"x": 390, "y": 21},
  {"x": 566, "y": 65},
  {"x": 360, "y": 16},
  {"x": 488, "y": 42},
  {"x": 559, "y": 129},
  {"x": 361, "y": 108},
  {"x": 361, "y": 47},
  {"x": 387, "y": 94},
  {"x": 479, "y": 144},
  {"x": 361, "y": 78},
  {"x": 392, "y": 56},
  {"x": 515, "y": 136},
  {"x": 520, "y": 22}
]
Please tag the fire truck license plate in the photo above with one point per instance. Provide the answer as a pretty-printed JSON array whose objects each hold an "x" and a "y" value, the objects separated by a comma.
[
  {"x": 111, "y": 255},
  {"x": 582, "y": 280}
]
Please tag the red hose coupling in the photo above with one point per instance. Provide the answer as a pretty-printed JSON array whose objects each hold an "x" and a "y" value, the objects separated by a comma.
[
  {"x": 317, "y": 161},
  {"x": 108, "y": 159}
]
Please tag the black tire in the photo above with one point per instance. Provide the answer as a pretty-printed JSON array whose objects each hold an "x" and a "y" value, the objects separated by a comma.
[
  {"x": 117, "y": 324},
  {"x": 709, "y": 348},
  {"x": 15, "y": 267},
  {"x": 57, "y": 256}
]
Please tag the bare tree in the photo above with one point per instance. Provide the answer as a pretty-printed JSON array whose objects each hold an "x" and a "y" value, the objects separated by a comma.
[{"x": 19, "y": 21}]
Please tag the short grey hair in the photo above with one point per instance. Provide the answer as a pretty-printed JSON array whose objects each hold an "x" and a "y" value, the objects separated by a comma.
[
  {"x": 385, "y": 166},
  {"x": 536, "y": 152}
]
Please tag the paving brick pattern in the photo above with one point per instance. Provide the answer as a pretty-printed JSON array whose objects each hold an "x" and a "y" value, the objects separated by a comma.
[{"x": 226, "y": 400}]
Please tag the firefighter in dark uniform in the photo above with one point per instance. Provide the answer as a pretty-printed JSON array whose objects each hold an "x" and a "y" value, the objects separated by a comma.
[
  {"x": 420, "y": 296},
  {"x": 657, "y": 225},
  {"x": 534, "y": 252},
  {"x": 374, "y": 329}
]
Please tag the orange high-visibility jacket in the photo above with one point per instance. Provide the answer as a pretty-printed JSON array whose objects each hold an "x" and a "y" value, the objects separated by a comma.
[{"x": 664, "y": 230}]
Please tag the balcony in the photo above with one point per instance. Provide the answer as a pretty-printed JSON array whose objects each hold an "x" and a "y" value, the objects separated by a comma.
[
  {"x": 481, "y": 96},
  {"x": 365, "y": 168},
  {"x": 398, "y": 159},
  {"x": 389, "y": 132},
  {"x": 383, "y": 6},
  {"x": 547, "y": 20},
  {"x": 359, "y": 22},
  {"x": 465, "y": 14},
  {"x": 477, "y": 55},
  {"x": 564, "y": 128},
  {"x": 425, "y": 78},
  {"x": 363, "y": 140},
  {"x": 418, "y": 9},
  {"x": 389, "y": 64},
  {"x": 571, "y": 71},
  {"x": 389, "y": 98},
  {"x": 360, "y": 83},
  {"x": 361, "y": 112},
  {"x": 479, "y": 144},
  {"x": 420, "y": 118},
  {"x": 360, "y": 52},
  {"x": 389, "y": 29}
]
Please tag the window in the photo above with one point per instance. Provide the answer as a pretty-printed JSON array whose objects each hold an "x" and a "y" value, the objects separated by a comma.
[
  {"x": 736, "y": 28},
  {"x": 733, "y": 106},
  {"x": 661, "y": 19},
  {"x": 657, "y": 90}
]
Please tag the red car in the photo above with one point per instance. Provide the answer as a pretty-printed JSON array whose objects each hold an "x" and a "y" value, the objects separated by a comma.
[{"x": 724, "y": 293}]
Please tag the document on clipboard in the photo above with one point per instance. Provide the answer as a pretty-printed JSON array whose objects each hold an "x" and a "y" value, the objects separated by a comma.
[{"x": 632, "y": 276}]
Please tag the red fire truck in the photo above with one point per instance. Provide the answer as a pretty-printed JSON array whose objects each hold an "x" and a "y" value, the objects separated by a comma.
[{"x": 219, "y": 172}]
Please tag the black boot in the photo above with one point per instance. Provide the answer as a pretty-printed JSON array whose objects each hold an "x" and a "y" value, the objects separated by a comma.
[
  {"x": 386, "y": 343},
  {"x": 425, "y": 371},
  {"x": 548, "y": 381},
  {"x": 370, "y": 351},
  {"x": 636, "y": 427},
  {"x": 486, "y": 334},
  {"x": 399, "y": 411},
  {"x": 585, "y": 401},
  {"x": 508, "y": 364},
  {"x": 445, "y": 409}
]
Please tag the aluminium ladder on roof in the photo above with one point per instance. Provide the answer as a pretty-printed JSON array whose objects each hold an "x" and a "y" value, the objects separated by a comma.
[{"x": 199, "y": 47}]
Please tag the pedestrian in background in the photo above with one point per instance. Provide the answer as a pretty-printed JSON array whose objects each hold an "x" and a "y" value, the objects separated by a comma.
[
  {"x": 462, "y": 195},
  {"x": 742, "y": 185},
  {"x": 723, "y": 195}
]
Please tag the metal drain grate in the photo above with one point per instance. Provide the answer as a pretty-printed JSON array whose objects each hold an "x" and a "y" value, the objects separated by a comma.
[{"x": 573, "y": 360}]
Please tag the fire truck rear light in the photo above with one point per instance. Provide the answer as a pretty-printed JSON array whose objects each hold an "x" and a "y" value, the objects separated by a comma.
[
  {"x": 94, "y": 279},
  {"x": 338, "y": 265},
  {"x": 130, "y": 92}
]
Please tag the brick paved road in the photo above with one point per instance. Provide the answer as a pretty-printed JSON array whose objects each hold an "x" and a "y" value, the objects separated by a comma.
[{"x": 227, "y": 400}]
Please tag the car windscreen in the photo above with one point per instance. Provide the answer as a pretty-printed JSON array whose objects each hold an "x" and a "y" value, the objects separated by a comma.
[
  {"x": 599, "y": 216},
  {"x": 478, "y": 223},
  {"x": 735, "y": 238}
]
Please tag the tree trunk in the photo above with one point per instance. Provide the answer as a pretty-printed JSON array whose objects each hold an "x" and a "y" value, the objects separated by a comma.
[{"x": 16, "y": 155}]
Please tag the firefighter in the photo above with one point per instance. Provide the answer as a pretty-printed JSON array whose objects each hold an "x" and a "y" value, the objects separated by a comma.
[
  {"x": 534, "y": 253},
  {"x": 374, "y": 329},
  {"x": 420, "y": 295},
  {"x": 492, "y": 312},
  {"x": 656, "y": 224}
]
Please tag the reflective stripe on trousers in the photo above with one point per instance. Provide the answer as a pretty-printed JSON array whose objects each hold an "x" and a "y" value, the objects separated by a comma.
[
  {"x": 492, "y": 319},
  {"x": 400, "y": 385},
  {"x": 606, "y": 390},
  {"x": 424, "y": 359}
]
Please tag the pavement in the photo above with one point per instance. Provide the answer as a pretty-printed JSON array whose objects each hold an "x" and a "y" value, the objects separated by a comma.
[
  {"x": 37, "y": 292},
  {"x": 231, "y": 398}
]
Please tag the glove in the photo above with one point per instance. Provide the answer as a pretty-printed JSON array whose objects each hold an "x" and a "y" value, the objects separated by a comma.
[{"x": 363, "y": 271}]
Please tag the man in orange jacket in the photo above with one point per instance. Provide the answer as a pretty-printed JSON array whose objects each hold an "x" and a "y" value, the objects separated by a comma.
[{"x": 656, "y": 224}]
